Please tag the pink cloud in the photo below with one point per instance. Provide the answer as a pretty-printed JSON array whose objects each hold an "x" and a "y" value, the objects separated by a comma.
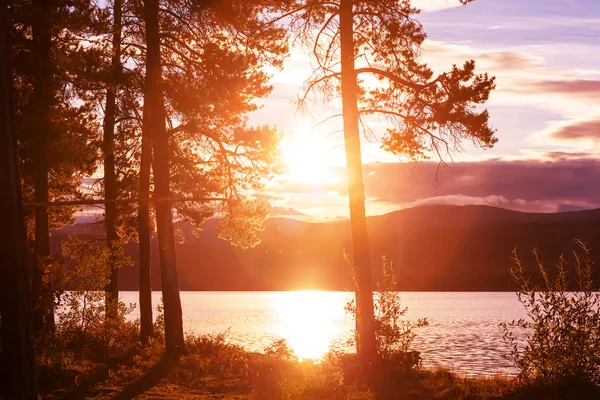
[
  {"x": 578, "y": 130},
  {"x": 577, "y": 87}
]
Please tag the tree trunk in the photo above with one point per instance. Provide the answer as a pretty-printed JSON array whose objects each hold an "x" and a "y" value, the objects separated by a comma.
[
  {"x": 43, "y": 307},
  {"x": 155, "y": 122},
  {"x": 365, "y": 341},
  {"x": 144, "y": 235},
  {"x": 110, "y": 175},
  {"x": 17, "y": 364}
]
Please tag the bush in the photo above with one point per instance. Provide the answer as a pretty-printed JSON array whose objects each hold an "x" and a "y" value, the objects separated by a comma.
[
  {"x": 393, "y": 332},
  {"x": 558, "y": 345},
  {"x": 82, "y": 324},
  {"x": 83, "y": 337}
]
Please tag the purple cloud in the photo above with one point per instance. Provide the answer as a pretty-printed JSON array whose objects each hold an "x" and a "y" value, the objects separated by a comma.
[
  {"x": 531, "y": 185},
  {"x": 558, "y": 180}
]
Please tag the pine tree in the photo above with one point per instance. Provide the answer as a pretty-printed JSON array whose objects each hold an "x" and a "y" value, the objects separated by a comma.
[
  {"x": 57, "y": 128},
  {"x": 213, "y": 72},
  {"x": 210, "y": 71},
  {"x": 116, "y": 87},
  {"x": 427, "y": 116},
  {"x": 110, "y": 173},
  {"x": 17, "y": 358},
  {"x": 154, "y": 125}
]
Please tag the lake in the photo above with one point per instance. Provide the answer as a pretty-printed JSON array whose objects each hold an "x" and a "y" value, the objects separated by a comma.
[{"x": 462, "y": 334}]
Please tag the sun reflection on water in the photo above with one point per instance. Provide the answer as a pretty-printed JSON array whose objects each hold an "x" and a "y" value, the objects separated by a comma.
[{"x": 309, "y": 321}]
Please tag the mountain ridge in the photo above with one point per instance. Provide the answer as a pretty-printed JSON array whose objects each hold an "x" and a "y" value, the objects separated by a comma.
[{"x": 434, "y": 248}]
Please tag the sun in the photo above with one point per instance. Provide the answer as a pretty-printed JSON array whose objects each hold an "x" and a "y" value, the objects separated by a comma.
[{"x": 309, "y": 157}]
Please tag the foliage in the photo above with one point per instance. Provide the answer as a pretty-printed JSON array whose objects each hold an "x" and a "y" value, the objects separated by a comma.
[
  {"x": 558, "y": 344},
  {"x": 214, "y": 57},
  {"x": 71, "y": 130},
  {"x": 82, "y": 327},
  {"x": 242, "y": 221},
  {"x": 280, "y": 349},
  {"x": 393, "y": 332},
  {"x": 159, "y": 321},
  {"x": 426, "y": 115},
  {"x": 212, "y": 354}
]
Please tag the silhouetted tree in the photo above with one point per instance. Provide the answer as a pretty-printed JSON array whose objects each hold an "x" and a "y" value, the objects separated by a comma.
[
  {"x": 17, "y": 358},
  {"x": 117, "y": 87},
  {"x": 41, "y": 102},
  {"x": 145, "y": 288},
  {"x": 56, "y": 126},
  {"x": 110, "y": 174},
  {"x": 427, "y": 116},
  {"x": 208, "y": 65},
  {"x": 154, "y": 125}
]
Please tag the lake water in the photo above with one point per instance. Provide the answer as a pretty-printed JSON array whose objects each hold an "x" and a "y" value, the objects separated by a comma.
[{"x": 462, "y": 334}]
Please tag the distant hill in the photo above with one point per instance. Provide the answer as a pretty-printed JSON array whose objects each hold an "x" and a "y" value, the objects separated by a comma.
[{"x": 434, "y": 248}]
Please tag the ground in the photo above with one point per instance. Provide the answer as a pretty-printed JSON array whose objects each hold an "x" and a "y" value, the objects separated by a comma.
[{"x": 213, "y": 369}]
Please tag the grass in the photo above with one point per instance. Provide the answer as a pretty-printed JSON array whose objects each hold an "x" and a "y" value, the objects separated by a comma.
[{"x": 215, "y": 369}]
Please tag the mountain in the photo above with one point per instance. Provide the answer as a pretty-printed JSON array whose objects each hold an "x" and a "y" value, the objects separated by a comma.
[{"x": 434, "y": 248}]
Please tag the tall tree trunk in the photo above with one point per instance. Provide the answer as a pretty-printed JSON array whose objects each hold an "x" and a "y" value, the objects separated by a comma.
[
  {"x": 155, "y": 122},
  {"x": 144, "y": 235},
  {"x": 365, "y": 343},
  {"x": 43, "y": 307},
  {"x": 17, "y": 364},
  {"x": 110, "y": 176}
]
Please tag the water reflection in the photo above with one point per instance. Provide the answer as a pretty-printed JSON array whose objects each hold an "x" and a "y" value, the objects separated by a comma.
[
  {"x": 309, "y": 321},
  {"x": 462, "y": 334}
]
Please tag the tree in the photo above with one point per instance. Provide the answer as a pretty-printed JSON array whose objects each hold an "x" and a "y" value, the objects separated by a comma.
[
  {"x": 209, "y": 67},
  {"x": 213, "y": 73},
  {"x": 116, "y": 88},
  {"x": 55, "y": 124},
  {"x": 42, "y": 100},
  {"x": 154, "y": 125},
  {"x": 110, "y": 175},
  {"x": 17, "y": 359},
  {"x": 427, "y": 116},
  {"x": 145, "y": 288}
]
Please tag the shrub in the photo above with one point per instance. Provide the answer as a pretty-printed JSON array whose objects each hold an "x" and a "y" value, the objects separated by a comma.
[
  {"x": 82, "y": 324},
  {"x": 83, "y": 336},
  {"x": 280, "y": 348},
  {"x": 558, "y": 344},
  {"x": 393, "y": 332}
]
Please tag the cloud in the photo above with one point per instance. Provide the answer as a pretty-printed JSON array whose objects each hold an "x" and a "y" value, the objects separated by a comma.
[
  {"x": 576, "y": 87},
  {"x": 508, "y": 60},
  {"x": 444, "y": 54},
  {"x": 435, "y": 5},
  {"x": 578, "y": 130},
  {"x": 494, "y": 200},
  {"x": 461, "y": 200},
  {"x": 560, "y": 181},
  {"x": 287, "y": 211},
  {"x": 523, "y": 22}
]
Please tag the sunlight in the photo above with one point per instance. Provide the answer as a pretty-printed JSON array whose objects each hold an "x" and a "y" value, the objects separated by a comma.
[
  {"x": 308, "y": 321},
  {"x": 311, "y": 158}
]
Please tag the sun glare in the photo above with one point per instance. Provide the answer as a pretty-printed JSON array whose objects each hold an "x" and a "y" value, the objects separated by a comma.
[
  {"x": 311, "y": 158},
  {"x": 308, "y": 321}
]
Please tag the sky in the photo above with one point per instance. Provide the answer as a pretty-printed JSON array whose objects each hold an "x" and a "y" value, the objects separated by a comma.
[{"x": 545, "y": 55}]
